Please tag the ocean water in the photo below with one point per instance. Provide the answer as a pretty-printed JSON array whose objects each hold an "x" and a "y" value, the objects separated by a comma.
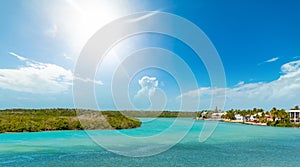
[{"x": 230, "y": 144}]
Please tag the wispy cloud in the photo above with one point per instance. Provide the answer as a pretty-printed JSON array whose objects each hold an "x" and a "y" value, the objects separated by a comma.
[
  {"x": 272, "y": 60},
  {"x": 17, "y": 56},
  {"x": 269, "y": 60},
  {"x": 98, "y": 82},
  {"x": 240, "y": 83},
  {"x": 285, "y": 91},
  {"x": 145, "y": 16}
]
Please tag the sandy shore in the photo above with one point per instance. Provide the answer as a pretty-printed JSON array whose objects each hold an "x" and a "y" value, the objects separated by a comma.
[
  {"x": 259, "y": 124},
  {"x": 240, "y": 121}
]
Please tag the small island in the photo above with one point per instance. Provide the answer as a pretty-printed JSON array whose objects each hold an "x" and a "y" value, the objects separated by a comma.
[{"x": 36, "y": 120}]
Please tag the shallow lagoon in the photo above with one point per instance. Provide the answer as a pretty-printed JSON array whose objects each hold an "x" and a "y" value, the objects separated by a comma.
[{"x": 231, "y": 144}]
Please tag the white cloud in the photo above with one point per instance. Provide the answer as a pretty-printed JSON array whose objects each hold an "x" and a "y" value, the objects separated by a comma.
[
  {"x": 269, "y": 61},
  {"x": 98, "y": 82},
  {"x": 291, "y": 67},
  {"x": 145, "y": 16},
  {"x": 148, "y": 86},
  {"x": 35, "y": 77},
  {"x": 240, "y": 83},
  {"x": 272, "y": 60},
  {"x": 283, "y": 92},
  {"x": 17, "y": 56}
]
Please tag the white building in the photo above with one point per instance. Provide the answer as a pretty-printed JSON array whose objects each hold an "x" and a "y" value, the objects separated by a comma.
[
  {"x": 217, "y": 115},
  {"x": 238, "y": 117},
  {"x": 252, "y": 118},
  {"x": 294, "y": 114}
]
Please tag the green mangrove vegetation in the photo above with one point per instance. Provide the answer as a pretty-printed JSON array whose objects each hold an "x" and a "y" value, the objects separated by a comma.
[{"x": 35, "y": 120}]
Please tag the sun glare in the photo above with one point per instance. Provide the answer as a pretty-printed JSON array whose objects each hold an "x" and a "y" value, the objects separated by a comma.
[{"x": 78, "y": 20}]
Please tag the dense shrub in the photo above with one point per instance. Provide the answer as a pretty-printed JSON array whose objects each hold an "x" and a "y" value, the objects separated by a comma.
[{"x": 35, "y": 120}]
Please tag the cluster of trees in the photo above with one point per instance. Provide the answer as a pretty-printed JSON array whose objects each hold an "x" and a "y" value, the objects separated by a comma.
[
  {"x": 280, "y": 118},
  {"x": 274, "y": 117},
  {"x": 35, "y": 120},
  {"x": 230, "y": 114}
]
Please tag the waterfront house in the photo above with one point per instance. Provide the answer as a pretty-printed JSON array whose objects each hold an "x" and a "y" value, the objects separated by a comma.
[
  {"x": 217, "y": 116},
  {"x": 238, "y": 117},
  {"x": 252, "y": 118},
  {"x": 294, "y": 115},
  {"x": 203, "y": 114},
  {"x": 269, "y": 117}
]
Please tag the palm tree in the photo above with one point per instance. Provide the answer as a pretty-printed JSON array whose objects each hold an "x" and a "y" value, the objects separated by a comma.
[
  {"x": 243, "y": 113},
  {"x": 273, "y": 113},
  {"x": 230, "y": 115},
  {"x": 285, "y": 116}
]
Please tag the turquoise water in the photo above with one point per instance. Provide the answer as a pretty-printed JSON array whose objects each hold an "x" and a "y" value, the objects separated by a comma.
[{"x": 230, "y": 145}]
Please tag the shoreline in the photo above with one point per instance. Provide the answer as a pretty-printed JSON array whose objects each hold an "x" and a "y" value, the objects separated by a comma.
[
  {"x": 235, "y": 121},
  {"x": 247, "y": 123}
]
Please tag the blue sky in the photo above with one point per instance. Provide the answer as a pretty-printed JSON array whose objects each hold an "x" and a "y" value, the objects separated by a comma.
[{"x": 257, "y": 41}]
